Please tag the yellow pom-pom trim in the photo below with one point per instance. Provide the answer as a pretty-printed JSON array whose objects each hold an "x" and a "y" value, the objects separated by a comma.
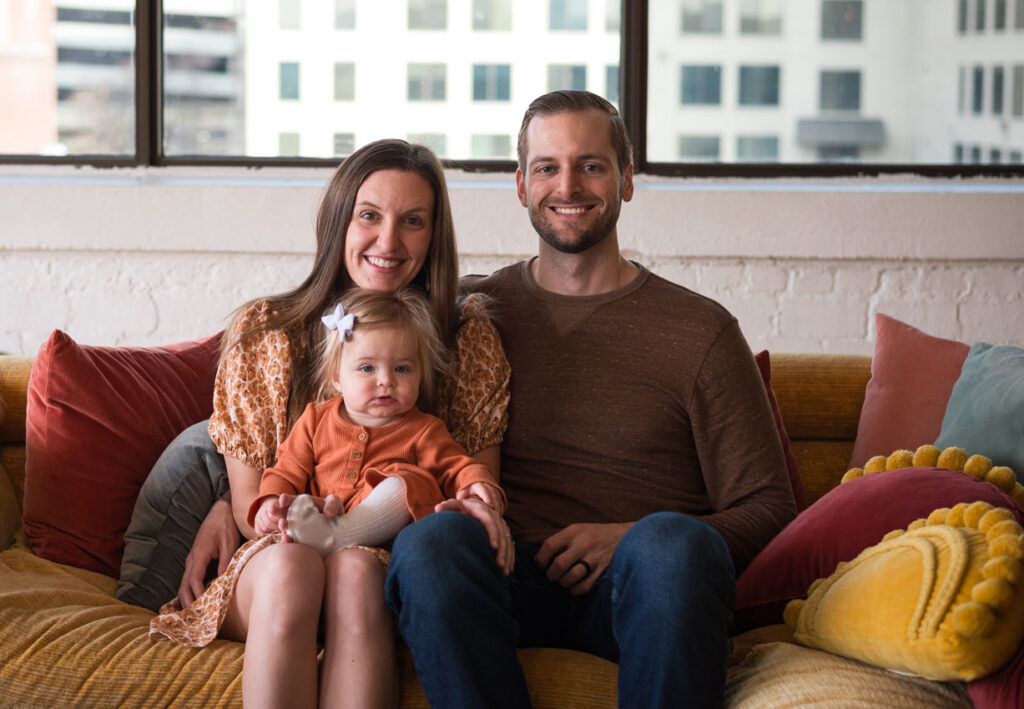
[
  {"x": 792, "y": 612},
  {"x": 953, "y": 458},
  {"x": 994, "y": 593},
  {"x": 1003, "y": 567},
  {"x": 973, "y": 619}
]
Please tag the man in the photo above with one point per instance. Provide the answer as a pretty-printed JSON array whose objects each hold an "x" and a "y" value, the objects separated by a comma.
[{"x": 642, "y": 465}]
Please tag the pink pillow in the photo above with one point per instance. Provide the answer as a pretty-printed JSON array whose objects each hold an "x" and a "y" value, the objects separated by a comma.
[
  {"x": 842, "y": 523},
  {"x": 912, "y": 376},
  {"x": 97, "y": 419},
  {"x": 764, "y": 364}
]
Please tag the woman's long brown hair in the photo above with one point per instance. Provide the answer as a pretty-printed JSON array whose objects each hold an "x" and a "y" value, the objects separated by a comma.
[{"x": 298, "y": 311}]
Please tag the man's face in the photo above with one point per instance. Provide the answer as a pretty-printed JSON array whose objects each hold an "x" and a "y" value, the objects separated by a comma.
[{"x": 571, "y": 184}]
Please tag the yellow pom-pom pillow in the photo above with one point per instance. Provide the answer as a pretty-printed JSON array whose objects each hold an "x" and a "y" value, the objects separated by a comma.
[{"x": 943, "y": 600}]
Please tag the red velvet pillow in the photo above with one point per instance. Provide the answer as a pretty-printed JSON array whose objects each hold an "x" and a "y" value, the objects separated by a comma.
[
  {"x": 97, "y": 419},
  {"x": 795, "y": 481},
  {"x": 842, "y": 523},
  {"x": 912, "y": 376},
  {"x": 1003, "y": 689}
]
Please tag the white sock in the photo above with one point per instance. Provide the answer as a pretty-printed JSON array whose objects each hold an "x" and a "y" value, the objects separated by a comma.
[{"x": 375, "y": 520}]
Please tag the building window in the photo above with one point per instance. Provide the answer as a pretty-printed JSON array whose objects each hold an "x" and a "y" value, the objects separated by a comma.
[
  {"x": 702, "y": 16},
  {"x": 979, "y": 15},
  {"x": 288, "y": 145},
  {"x": 567, "y": 76},
  {"x": 344, "y": 144},
  {"x": 961, "y": 22},
  {"x": 427, "y": 82},
  {"x": 703, "y": 148},
  {"x": 761, "y": 17},
  {"x": 840, "y": 91},
  {"x": 490, "y": 147},
  {"x": 839, "y": 153},
  {"x": 344, "y": 14},
  {"x": 492, "y": 82},
  {"x": 1018, "y": 21},
  {"x": 568, "y": 15},
  {"x": 841, "y": 19},
  {"x": 1016, "y": 157},
  {"x": 757, "y": 148},
  {"x": 995, "y": 156},
  {"x": 428, "y": 14},
  {"x": 613, "y": 16},
  {"x": 997, "y": 90},
  {"x": 289, "y": 81},
  {"x": 978, "y": 89},
  {"x": 999, "y": 20},
  {"x": 611, "y": 83},
  {"x": 288, "y": 14},
  {"x": 492, "y": 15},
  {"x": 759, "y": 86},
  {"x": 961, "y": 84},
  {"x": 958, "y": 153},
  {"x": 701, "y": 85},
  {"x": 438, "y": 142},
  {"x": 976, "y": 154},
  {"x": 344, "y": 82},
  {"x": 1017, "y": 91}
]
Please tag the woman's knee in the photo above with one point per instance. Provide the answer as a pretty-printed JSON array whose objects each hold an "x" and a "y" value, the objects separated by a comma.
[
  {"x": 288, "y": 574},
  {"x": 354, "y": 592}
]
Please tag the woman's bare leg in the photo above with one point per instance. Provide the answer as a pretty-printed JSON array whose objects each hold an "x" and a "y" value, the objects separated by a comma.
[
  {"x": 360, "y": 668},
  {"x": 275, "y": 610}
]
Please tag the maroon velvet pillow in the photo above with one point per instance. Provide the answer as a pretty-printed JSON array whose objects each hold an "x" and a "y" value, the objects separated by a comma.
[
  {"x": 912, "y": 376},
  {"x": 842, "y": 523},
  {"x": 97, "y": 419},
  {"x": 764, "y": 364},
  {"x": 1003, "y": 689}
]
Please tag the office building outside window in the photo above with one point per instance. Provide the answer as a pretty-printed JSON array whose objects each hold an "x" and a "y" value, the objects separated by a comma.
[
  {"x": 344, "y": 81},
  {"x": 842, "y": 19},
  {"x": 979, "y": 15},
  {"x": 611, "y": 83},
  {"x": 840, "y": 91},
  {"x": 699, "y": 148},
  {"x": 701, "y": 85},
  {"x": 344, "y": 14},
  {"x": 567, "y": 76},
  {"x": 288, "y": 73},
  {"x": 344, "y": 144},
  {"x": 427, "y": 82},
  {"x": 702, "y": 16},
  {"x": 288, "y": 144},
  {"x": 568, "y": 15},
  {"x": 1017, "y": 94},
  {"x": 428, "y": 14},
  {"x": 438, "y": 142},
  {"x": 997, "y": 91},
  {"x": 491, "y": 147},
  {"x": 494, "y": 15},
  {"x": 289, "y": 14},
  {"x": 761, "y": 17},
  {"x": 759, "y": 86},
  {"x": 492, "y": 82},
  {"x": 757, "y": 148},
  {"x": 978, "y": 90}
]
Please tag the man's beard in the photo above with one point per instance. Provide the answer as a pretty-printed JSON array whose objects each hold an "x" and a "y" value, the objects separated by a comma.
[{"x": 579, "y": 241}]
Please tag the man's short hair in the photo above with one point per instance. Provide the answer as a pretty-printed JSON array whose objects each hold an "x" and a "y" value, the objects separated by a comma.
[{"x": 567, "y": 101}]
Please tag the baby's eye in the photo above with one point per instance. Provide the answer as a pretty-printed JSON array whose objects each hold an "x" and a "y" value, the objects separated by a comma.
[
  {"x": 403, "y": 369},
  {"x": 366, "y": 369}
]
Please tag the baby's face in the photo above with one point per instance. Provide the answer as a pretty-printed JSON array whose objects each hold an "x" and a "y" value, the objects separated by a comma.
[{"x": 379, "y": 376}]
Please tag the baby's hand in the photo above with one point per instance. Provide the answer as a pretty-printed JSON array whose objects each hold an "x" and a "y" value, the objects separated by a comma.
[
  {"x": 486, "y": 492},
  {"x": 273, "y": 515}
]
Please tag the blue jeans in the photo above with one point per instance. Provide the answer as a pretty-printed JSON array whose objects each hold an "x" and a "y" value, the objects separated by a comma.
[{"x": 662, "y": 610}]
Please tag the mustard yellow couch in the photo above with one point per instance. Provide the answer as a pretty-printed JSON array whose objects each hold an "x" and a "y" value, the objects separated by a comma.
[{"x": 65, "y": 641}]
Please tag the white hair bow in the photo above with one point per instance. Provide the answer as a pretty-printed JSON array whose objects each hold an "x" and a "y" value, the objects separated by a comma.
[{"x": 339, "y": 321}]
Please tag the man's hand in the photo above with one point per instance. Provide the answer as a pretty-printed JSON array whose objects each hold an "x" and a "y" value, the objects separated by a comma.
[
  {"x": 576, "y": 556},
  {"x": 485, "y": 491},
  {"x": 217, "y": 538},
  {"x": 497, "y": 531}
]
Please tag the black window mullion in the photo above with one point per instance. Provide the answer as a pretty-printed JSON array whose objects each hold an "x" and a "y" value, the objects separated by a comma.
[
  {"x": 633, "y": 77},
  {"x": 148, "y": 83}
]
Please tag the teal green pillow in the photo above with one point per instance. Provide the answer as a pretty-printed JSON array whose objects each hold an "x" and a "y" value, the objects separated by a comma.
[{"x": 985, "y": 413}]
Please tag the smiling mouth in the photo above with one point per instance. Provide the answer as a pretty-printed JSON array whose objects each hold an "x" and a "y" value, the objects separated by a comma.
[
  {"x": 383, "y": 262},
  {"x": 571, "y": 211}
]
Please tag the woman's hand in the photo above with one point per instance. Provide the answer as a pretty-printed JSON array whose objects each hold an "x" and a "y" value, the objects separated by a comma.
[
  {"x": 497, "y": 531},
  {"x": 217, "y": 538}
]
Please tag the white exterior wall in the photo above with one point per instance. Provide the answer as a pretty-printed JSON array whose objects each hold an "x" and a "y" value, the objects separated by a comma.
[{"x": 151, "y": 256}]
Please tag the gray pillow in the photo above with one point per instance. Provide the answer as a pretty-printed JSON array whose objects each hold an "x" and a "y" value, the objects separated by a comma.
[{"x": 186, "y": 480}]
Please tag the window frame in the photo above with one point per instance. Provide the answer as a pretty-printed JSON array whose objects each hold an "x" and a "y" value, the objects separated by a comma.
[{"x": 632, "y": 102}]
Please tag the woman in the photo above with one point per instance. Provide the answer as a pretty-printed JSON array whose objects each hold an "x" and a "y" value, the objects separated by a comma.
[{"x": 384, "y": 223}]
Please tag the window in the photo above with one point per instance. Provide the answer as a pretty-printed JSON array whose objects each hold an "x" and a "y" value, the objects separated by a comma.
[
  {"x": 761, "y": 17},
  {"x": 759, "y": 86},
  {"x": 698, "y": 147},
  {"x": 568, "y": 15},
  {"x": 1016, "y": 157},
  {"x": 492, "y": 15},
  {"x": 490, "y": 147},
  {"x": 438, "y": 142},
  {"x": 958, "y": 152},
  {"x": 839, "y": 153},
  {"x": 702, "y": 16},
  {"x": 428, "y": 14},
  {"x": 841, "y": 19},
  {"x": 613, "y": 16},
  {"x": 567, "y": 76},
  {"x": 427, "y": 82},
  {"x": 976, "y": 154},
  {"x": 492, "y": 82},
  {"x": 288, "y": 17},
  {"x": 344, "y": 14},
  {"x": 611, "y": 83},
  {"x": 289, "y": 81},
  {"x": 961, "y": 20},
  {"x": 701, "y": 85},
  {"x": 344, "y": 84},
  {"x": 978, "y": 89},
  {"x": 961, "y": 83},
  {"x": 997, "y": 90},
  {"x": 995, "y": 156},
  {"x": 1018, "y": 22},
  {"x": 344, "y": 144},
  {"x": 979, "y": 15},
  {"x": 1017, "y": 92},
  {"x": 999, "y": 21},
  {"x": 288, "y": 145},
  {"x": 757, "y": 148},
  {"x": 840, "y": 91}
]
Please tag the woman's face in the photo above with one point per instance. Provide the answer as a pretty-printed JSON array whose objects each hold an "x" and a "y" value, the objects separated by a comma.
[{"x": 389, "y": 235}]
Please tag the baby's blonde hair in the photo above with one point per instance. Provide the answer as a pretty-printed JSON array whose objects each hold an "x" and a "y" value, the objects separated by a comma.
[{"x": 404, "y": 309}]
